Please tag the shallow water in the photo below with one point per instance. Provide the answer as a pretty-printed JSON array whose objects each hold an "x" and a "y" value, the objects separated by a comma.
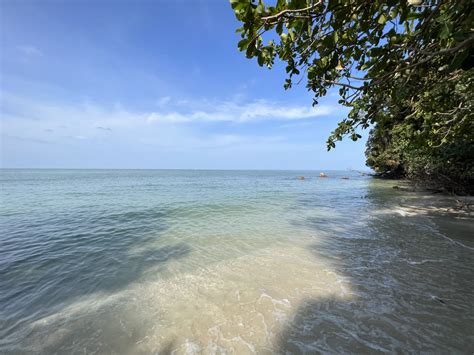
[{"x": 136, "y": 261}]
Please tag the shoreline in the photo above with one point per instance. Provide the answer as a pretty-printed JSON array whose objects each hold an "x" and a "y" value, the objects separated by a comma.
[
  {"x": 207, "y": 263},
  {"x": 453, "y": 215}
]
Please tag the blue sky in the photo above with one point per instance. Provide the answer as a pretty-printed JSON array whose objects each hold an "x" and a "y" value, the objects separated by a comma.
[{"x": 151, "y": 84}]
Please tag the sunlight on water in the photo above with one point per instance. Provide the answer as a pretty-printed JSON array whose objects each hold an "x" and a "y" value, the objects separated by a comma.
[{"x": 235, "y": 261}]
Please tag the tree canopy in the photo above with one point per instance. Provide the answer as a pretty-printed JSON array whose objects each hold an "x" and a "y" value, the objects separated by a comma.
[{"x": 403, "y": 68}]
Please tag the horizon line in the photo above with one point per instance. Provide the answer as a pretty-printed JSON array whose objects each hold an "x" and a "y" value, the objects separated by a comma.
[{"x": 199, "y": 169}]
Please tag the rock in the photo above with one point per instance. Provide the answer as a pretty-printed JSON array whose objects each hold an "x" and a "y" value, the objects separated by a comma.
[
  {"x": 396, "y": 187},
  {"x": 345, "y": 178},
  {"x": 322, "y": 175},
  {"x": 438, "y": 299}
]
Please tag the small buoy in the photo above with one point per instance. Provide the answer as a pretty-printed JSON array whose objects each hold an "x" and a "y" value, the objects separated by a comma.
[
  {"x": 322, "y": 175},
  {"x": 301, "y": 177}
]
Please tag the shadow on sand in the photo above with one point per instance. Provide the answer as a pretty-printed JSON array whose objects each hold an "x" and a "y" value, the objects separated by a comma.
[
  {"x": 411, "y": 287},
  {"x": 81, "y": 257}
]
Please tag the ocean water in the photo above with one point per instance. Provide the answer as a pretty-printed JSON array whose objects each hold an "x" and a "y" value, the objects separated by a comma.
[{"x": 176, "y": 261}]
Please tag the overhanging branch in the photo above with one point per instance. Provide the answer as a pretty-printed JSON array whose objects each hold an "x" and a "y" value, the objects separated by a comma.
[{"x": 290, "y": 11}]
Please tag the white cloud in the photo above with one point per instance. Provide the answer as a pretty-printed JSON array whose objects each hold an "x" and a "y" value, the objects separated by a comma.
[
  {"x": 236, "y": 111},
  {"x": 165, "y": 129},
  {"x": 178, "y": 140},
  {"x": 30, "y": 50},
  {"x": 162, "y": 101},
  {"x": 176, "y": 135},
  {"x": 182, "y": 111}
]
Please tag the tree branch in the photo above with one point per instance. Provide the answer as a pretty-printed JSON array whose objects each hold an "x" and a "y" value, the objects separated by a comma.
[
  {"x": 289, "y": 11},
  {"x": 344, "y": 85},
  {"x": 427, "y": 59}
]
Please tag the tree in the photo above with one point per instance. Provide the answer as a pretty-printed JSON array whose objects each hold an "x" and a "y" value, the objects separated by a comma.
[{"x": 403, "y": 65}]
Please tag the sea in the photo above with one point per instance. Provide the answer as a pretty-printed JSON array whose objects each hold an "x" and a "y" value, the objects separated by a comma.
[{"x": 229, "y": 262}]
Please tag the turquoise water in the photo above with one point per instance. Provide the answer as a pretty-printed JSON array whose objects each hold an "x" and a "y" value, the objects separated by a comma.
[{"x": 188, "y": 261}]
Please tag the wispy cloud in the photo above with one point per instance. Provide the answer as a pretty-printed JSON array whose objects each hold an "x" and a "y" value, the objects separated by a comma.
[
  {"x": 104, "y": 128},
  {"x": 179, "y": 125},
  {"x": 174, "y": 112},
  {"x": 26, "y": 139},
  {"x": 29, "y": 50},
  {"x": 162, "y": 101},
  {"x": 240, "y": 112}
]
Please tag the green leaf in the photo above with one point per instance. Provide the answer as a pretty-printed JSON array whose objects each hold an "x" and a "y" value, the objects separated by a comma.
[
  {"x": 459, "y": 59},
  {"x": 279, "y": 27},
  {"x": 238, "y": 5},
  {"x": 412, "y": 16},
  {"x": 250, "y": 50},
  {"x": 445, "y": 31},
  {"x": 242, "y": 45}
]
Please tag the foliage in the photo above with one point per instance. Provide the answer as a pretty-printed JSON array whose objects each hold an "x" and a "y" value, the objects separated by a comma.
[
  {"x": 429, "y": 146},
  {"x": 402, "y": 67}
]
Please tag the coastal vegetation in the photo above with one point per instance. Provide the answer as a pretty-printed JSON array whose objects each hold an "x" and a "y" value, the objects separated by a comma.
[{"x": 403, "y": 68}]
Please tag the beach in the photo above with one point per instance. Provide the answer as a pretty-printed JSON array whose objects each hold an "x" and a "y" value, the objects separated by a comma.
[{"x": 200, "y": 261}]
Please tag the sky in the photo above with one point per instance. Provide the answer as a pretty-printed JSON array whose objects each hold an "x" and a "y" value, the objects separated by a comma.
[{"x": 154, "y": 85}]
